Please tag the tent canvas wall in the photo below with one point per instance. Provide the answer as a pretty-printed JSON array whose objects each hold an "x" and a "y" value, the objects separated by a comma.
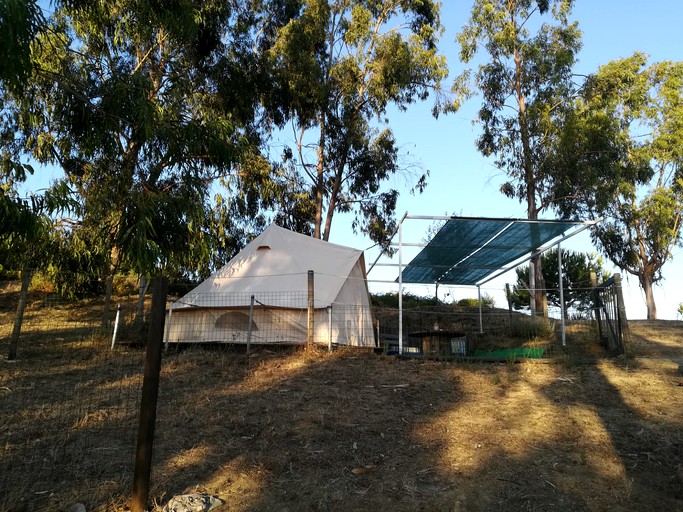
[{"x": 273, "y": 268}]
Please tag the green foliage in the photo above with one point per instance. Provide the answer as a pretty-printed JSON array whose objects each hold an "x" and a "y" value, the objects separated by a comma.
[
  {"x": 137, "y": 105},
  {"x": 74, "y": 264},
  {"x": 412, "y": 301},
  {"x": 20, "y": 23},
  {"x": 389, "y": 300},
  {"x": 487, "y": 301},
  {"x": 23, "y": 232},
  {"x": 532, "y": 327},
  {"x": 337, "y": 67},
  {"x": 525, "y": 82},
  {"x": 620, "y": 157},
  {"x": 576, "y": 269}
]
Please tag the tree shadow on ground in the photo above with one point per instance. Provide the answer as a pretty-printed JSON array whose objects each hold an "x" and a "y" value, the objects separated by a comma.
[{"x": 366, "y": 432}]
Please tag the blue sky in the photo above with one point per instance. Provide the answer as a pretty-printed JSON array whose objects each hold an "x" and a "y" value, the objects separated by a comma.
[{"x": 465, "y": 183}]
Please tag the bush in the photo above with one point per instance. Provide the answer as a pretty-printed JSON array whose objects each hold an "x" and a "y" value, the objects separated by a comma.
[
  {"x": 410, "y": 301},
  {"x": 487, "y": 301},
  {"x": 532, "y": 327}
]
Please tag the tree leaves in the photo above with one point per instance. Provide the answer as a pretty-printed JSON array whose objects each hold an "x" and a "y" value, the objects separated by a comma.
[
  {"x": 340, "y": 65},
  {"x": 618, "y": 155}
]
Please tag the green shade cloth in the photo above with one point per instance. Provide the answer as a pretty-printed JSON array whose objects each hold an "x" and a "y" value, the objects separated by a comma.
[{"x": 466, "y": 251}]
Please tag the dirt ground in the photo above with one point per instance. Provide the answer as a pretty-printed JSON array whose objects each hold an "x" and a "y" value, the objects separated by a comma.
[{"x": 351, "y": 431}]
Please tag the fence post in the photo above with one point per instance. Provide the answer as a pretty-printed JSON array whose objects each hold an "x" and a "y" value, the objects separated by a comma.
[
  {"x": 251, "y": 321},
  {"x": 150, "y": 393},
  {"x": 23, "y": 299},
  {"x": 116, "y": 326},
  {"x": 311, "y": 303}
]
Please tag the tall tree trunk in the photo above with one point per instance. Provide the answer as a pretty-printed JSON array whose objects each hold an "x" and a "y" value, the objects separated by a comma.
[
  {"x": 540, "y": 300},
  {"x": 320, "y": 183},
  {"x": 334, "y": 195},
  {"x": 646, "y": 284},
  {"x": 18, "y": 320}
]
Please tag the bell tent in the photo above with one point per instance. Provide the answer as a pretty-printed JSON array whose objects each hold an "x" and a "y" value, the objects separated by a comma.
[{"x": 261, "y": 296}]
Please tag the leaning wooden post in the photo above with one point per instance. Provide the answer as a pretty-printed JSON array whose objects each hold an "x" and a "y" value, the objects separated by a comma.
[
  {"x": 23, "y": 299},
  {"x": 150, "y": 393},
  {"x": 311, "y": 305}
]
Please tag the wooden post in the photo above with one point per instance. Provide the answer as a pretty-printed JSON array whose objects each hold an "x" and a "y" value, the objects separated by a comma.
[
  {"x": 150, "y": 393},
  {"x": 251, "y": 321},
  {"x": 311, "y": 308},
  {"x": 19, "y": 319}
]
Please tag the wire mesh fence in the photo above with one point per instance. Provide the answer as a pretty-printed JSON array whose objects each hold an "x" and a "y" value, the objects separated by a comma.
[
  {"x": 71, "y": 398},
  {"x": 70, "y": 404},
  {"x": 267, "y": 318}
]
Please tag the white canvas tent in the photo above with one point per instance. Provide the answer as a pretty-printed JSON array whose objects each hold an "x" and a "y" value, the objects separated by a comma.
[{"x": 273, "y": 268}]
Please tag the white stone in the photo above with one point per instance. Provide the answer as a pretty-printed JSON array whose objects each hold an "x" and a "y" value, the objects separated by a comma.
[{"x": 192, "y": 503}]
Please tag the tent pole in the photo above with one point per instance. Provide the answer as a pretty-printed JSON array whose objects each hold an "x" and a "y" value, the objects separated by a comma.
[
  {"x": 481, "y": 323},
  {"x": 562, "y": 312},
  {"x": 400, "y": 287}
]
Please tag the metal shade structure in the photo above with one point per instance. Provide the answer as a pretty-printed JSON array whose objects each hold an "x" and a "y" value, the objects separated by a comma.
[{"x": 471, "y": 251}]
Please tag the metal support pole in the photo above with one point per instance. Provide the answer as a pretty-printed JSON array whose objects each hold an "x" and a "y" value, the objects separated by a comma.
[
  {"x": 116, "y": 326},
  {"x": 329, "y": 328},
  {"x": 311, "y": 305},
  {"x": 481, "y": 322},
  {"x": 251, "y": 322},
  {"x": 400, "y": 288},
  {"x": 562, "y": 308},
  {"x": 532, "y": 288}
]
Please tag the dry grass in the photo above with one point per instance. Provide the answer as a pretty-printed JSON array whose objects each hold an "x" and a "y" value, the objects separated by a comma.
[{"x": 346, "y": 431}]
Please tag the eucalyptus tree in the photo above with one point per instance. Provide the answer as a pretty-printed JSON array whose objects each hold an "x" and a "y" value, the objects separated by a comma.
[
  {"x": 20, "y": 24},
  {"x": 340, "y": 65},
  {"x": 620, "y": 156},
  {"x": 525, "y": 82},
  {"x": 137, "y": 104}
]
